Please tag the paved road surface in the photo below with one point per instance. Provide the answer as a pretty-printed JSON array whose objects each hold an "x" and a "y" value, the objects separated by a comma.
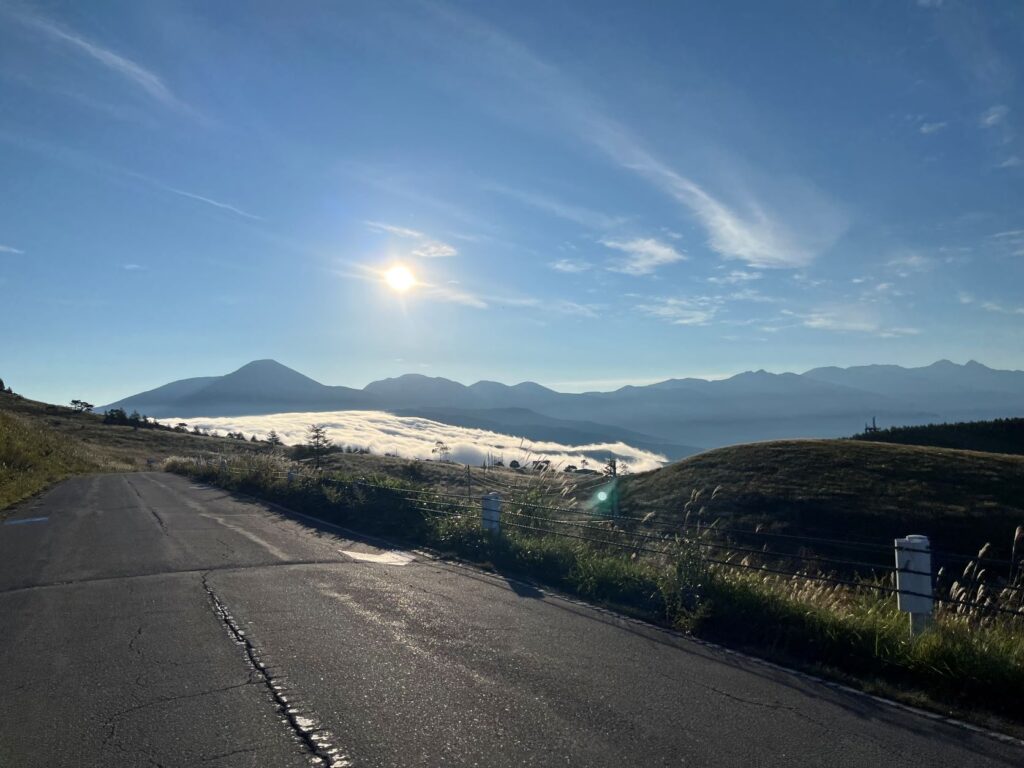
[{"x": 148, "y": 621}]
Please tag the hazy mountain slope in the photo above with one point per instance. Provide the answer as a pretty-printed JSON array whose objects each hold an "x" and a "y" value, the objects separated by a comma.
[{"x": 755, "y": 405}]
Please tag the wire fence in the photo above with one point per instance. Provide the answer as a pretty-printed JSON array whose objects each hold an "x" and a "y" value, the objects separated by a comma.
[{"x": 715, "y": 545}]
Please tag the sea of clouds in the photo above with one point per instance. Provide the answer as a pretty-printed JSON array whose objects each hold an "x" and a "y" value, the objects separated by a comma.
[{"x": 414, "y": 438}]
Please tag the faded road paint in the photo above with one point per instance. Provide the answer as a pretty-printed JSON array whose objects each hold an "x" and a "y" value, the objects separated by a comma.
[
  {"x": 384, "y": 558},
  {"x": 27, "y": 520}
]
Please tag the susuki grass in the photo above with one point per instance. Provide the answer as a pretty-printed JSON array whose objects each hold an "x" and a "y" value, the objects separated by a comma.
[{"x": 970, "y": 659}]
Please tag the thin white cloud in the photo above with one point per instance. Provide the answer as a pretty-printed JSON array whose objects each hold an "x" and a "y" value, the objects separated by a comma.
[
  {"x": 434, "y": 250},
  {"x": 415, "y": 438},
  {"x": 995, "y": 306},
  {"x": 574, "y": 213},
  {"x": 452, "y": 295},
  {"x": 391, "y": 229},
  {"x": 1012, "y": 161},
  {"x": 209, "y": 201},
  {"x": 426, "y": 248},
  {"x": 850, "y": 319},
  {"x": 800, "y": 223},
  {"x": 735, "y": 277},
  {"x": 910, "y": 262},
  {"x": 131, "y": 71},
  {"x": 927, "y": 128},
  {"x": 681, "y": 311},
  {"x": 570, "y": 266},
  {"x": 566, "y": 307},
  {"x": 10, "y": 249},
  {"x": 993, "y": 116},
  {"x": 132, "y": 267},
  {"x": 643, "y": 255}
]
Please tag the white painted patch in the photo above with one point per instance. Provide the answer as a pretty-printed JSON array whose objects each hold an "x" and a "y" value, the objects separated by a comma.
[
  {"x": 24, "y": 520},
  {"x": 384, "y": 558}
]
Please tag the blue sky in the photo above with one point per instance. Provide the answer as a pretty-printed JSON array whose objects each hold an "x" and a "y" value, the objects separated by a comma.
[{"x": 588, "y": 194}]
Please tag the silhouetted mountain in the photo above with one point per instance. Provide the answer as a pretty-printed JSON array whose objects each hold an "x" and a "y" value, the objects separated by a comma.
[{"x": 675, "y": 414}]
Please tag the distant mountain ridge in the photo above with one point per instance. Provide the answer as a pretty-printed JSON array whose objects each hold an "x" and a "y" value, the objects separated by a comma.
[{"x": 677, "y": 414}]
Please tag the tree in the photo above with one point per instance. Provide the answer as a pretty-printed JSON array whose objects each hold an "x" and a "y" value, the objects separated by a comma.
[
  {"x": 273, "y": 439},
  {"x": 79, "y": 405},
  {"x": 253, "y": 439},
  {"x": 319, "y": 443},
  {"x": 513, "y": 464},
  {"x": 1, "y": 385},
  {"x": 441, "y": 450},
  {"x": 181, "y": 426},
  {"x": 612, "y": 467}
]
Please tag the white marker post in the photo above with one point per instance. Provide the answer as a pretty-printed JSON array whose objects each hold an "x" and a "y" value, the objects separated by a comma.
[
  {"x": 490, "y": 512},
  {"x": 914, "y": 581}
]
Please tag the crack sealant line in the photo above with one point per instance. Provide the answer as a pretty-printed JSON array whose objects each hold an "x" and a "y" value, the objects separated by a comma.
[
  {"x": 305, "y": 727},
  {"x": 504, "y": 581}
]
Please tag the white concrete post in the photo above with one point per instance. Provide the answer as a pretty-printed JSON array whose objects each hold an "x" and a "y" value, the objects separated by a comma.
[
  {"x": 914, "y": 581},
  {"x": 490, "y": 512}
]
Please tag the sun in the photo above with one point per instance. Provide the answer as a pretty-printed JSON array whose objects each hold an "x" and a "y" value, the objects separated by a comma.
[{"x": 399, "y": 278}]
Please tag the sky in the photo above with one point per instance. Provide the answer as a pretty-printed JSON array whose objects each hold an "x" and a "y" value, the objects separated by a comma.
[{"x": 581, "y": 194}]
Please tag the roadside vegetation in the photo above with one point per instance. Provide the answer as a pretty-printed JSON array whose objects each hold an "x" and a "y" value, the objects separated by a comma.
[
  {"x": 845, "y": 489},
  {"x": 41, "y": 444},
  {"x": 833, "y": 621}
]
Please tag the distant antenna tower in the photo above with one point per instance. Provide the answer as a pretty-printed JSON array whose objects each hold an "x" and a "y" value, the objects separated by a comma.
[{"x": 873, "y": 428}]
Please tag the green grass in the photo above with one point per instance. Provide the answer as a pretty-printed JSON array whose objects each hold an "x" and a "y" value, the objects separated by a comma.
[
  {"x": 41, "y": 444},
  {"x": 971, "y": 663},
  {"x": 31, "y": 458}
]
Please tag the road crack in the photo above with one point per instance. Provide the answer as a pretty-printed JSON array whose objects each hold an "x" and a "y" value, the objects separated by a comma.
[{"x": 303, "y": 724}]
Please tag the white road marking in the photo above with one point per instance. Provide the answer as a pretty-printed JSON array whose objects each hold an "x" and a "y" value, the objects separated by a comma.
[
  {"x": 27, "y": 520},
  {"x": 384, "y": 558}
]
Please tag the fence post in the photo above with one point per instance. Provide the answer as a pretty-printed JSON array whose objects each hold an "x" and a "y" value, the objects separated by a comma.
[
  {"x": 490, "y": 512},
  {"x": 914, "y": 581}
]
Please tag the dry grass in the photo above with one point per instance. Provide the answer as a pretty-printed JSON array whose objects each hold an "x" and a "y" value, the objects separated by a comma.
[
  {"x": 845, "y": 489},
  {"x": 41, "y": 444}
]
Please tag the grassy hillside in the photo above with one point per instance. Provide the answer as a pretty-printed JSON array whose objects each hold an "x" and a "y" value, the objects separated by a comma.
[
  {"x": 843, "y": 488},
  {"x": 41, "y": 444},
  {"x": 996, "y": 436}
]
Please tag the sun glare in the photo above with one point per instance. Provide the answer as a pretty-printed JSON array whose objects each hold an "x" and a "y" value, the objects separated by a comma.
[{"x": 399, "y": 279}]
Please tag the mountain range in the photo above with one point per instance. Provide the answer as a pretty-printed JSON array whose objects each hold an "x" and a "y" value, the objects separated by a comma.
[{"x": 675, "y": 417}]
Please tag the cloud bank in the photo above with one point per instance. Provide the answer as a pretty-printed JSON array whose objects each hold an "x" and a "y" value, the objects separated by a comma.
[{"x": 414, "y": 438}]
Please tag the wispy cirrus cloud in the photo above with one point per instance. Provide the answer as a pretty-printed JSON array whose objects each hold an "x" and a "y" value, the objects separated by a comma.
[
  {"x": 693, "y": 310},
  {"x": 993, "y": 116},
  {"x": 203, "y": 199},
  {"x": 797, "y": 225},
  {"x": 927, "y": 128},
  {"x": 577, "y": 214},
  {"x": 643, "y": 255},
  {"x": 570, "y": 266},
  {"x": 736, "y": 276},
  {"x": 11, "y": 249},
  {"x": 426, "y": 247},
  {"x": 850, "y": 319},
  {"x": 131, "y": 71}
]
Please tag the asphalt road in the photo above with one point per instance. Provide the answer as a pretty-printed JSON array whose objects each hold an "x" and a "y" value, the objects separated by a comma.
[{"x": 147, "y": 621}]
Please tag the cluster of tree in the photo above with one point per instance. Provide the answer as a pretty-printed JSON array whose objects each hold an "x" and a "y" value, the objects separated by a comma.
[
  {"x": 996, "y": 436},
  {"x": 134, "y": 419},
  {"x": 5, "y": 390}
]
